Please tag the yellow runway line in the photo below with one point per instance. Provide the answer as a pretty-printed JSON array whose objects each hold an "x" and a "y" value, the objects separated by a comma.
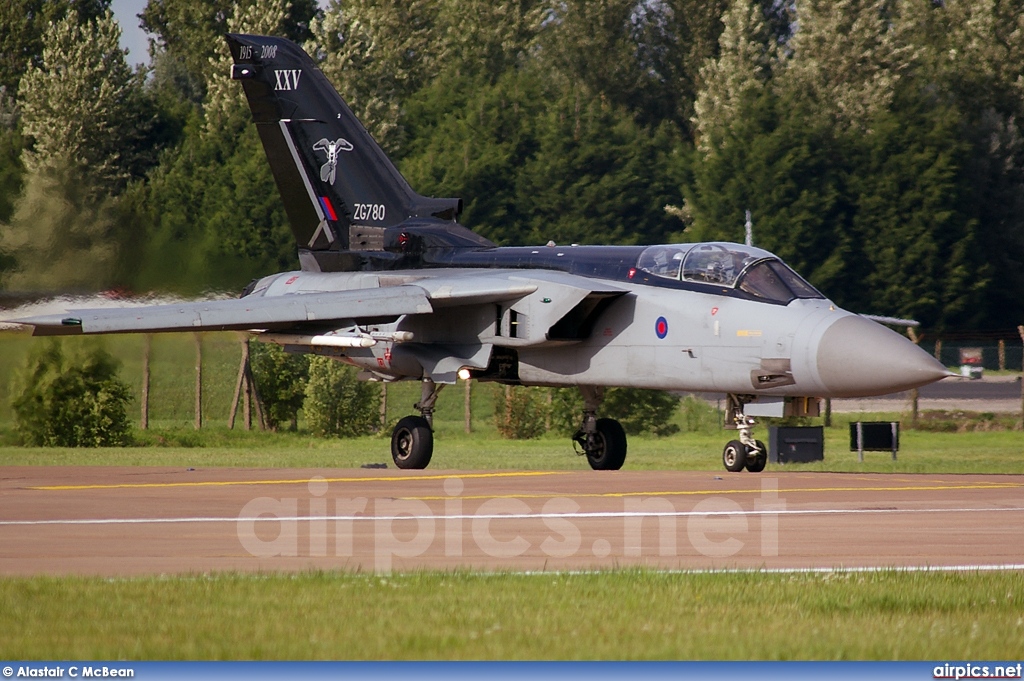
[
  {"x": 301, "y": 481},
  {"x": 704, "y": 492}
]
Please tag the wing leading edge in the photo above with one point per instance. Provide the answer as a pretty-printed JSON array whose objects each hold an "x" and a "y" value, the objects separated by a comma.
[
  {"x": 277, "y": 312},
  {"x": 238, "y": 314}
]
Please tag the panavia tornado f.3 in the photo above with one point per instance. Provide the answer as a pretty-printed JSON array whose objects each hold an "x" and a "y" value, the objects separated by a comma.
[{"x": 392, "y": 284}]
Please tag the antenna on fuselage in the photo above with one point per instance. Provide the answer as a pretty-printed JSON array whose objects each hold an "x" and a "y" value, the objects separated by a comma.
[{"x": 749, "y": 241}]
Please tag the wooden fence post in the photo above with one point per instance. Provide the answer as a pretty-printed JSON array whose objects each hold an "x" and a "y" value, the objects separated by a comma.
[
  {"x": 914, "y": 394},
  {"x": 146, "y": 347},
  {"x": 1020, "y": 330},
  {"x": 257, "y": 403},
  {"x": 199, "y": 381},
  {"x": 508, "y": 408},
  {"x": 240, "y": 385},
  {"x": 247, "y": 403},
  {"x": 547, "y": 412}
]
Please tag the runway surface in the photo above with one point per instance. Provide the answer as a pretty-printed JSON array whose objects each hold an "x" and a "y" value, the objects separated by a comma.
[
  {"x": 997, "y": 394},
  {"x": 152, "y": 521}
]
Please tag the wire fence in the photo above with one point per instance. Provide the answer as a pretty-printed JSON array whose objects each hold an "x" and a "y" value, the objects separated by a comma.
[
  {"x": 173, "y": 378},
  {"x": 992, "y": 355}
]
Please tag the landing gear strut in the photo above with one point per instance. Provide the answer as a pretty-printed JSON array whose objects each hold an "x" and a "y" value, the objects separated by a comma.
[
  {"x": 602, "y": 440},
  {"x": 746, "y": 452},
  {"x": 412, "y": 440}
]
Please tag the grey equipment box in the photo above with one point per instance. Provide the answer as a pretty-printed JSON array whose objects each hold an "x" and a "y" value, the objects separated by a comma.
[{"x": 796, "y": 444}]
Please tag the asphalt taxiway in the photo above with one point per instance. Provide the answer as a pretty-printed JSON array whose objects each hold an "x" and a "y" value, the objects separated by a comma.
[{"x": 151, "y": 521}]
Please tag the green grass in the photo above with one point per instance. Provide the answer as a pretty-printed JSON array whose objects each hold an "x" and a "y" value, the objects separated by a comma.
[
  {"x": 610, "y": 615},
  {"x": 921, "y": 452}
]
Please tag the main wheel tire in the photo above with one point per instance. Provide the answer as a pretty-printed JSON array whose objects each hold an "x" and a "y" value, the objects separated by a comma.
[
  {"x": 756, "y": 461},
  {"x": 412, "y": 443},
  {"x": 734, "y": 456},
  {"x": 611, "y": 446}
]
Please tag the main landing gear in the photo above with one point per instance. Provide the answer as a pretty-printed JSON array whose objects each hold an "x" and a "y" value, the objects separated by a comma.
[
  {"x": 602, "y": 440},
  {"x": 746, "y": 452},
  {"x": 412, "y": 440}
]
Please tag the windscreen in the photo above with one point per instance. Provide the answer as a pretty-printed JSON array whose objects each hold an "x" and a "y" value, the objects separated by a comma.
[{"x": 771, "y": 280}]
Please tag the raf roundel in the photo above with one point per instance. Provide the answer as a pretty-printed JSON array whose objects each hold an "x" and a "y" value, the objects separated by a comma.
[{"x": 661, "y": 327}]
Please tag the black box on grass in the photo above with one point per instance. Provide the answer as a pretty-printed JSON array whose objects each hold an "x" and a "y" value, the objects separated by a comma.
[
  {"x": 874, "y": 436},
  {"x": 796, "y": 444}
]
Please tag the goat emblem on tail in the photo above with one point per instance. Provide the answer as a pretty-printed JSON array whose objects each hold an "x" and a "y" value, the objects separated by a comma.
[{"x": 329, "y": 170}]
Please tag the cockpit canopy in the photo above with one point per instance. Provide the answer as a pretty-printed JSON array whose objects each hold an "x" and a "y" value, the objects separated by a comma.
[{"x": 748, "y": 269}]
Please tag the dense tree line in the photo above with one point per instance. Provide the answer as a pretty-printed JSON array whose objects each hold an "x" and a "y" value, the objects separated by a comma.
[{"x": 877, "y": 143}]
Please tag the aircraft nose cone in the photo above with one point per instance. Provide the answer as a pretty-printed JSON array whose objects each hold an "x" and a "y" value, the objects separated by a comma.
[{"x": 859, "y": 358}]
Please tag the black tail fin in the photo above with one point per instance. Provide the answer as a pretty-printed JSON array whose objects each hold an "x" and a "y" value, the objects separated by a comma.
[{"x": 339, "y": 188}]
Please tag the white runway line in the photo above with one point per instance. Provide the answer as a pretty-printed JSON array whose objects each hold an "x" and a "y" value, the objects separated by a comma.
[
  {"x": 509, "y": 516},
  {"x": 1008, "y": 567}
]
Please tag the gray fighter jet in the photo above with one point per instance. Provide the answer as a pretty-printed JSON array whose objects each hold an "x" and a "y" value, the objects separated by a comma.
[{"x": 392, "y": 284}]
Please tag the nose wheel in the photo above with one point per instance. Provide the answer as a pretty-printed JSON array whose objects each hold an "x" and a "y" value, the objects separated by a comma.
[
  {"x": 757, "y": 460},
  {"x": 736, "y": 456},
  {"x": 745, "y": 452}
]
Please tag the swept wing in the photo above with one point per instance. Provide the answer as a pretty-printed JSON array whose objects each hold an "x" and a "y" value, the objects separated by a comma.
[{"x": 290, "y": 311}]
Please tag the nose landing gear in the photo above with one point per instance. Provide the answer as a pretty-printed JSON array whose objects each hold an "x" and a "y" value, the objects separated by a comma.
[{"x": 746, "y": 452}]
